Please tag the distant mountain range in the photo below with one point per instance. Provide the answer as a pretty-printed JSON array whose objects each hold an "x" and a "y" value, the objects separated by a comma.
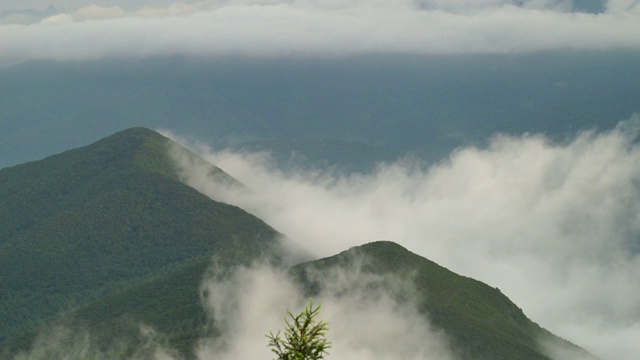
[
  {"x": 107, "y": 237},
  {"x": 349, "y": 112}
]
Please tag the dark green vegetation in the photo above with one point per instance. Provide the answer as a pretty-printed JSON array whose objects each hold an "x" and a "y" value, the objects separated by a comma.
[
  {"x": 423, "y": 104},
  {"x": 113, "y": 221},
  {"x": 103, "y": 240},
  {"x": 480, "y": 321}
]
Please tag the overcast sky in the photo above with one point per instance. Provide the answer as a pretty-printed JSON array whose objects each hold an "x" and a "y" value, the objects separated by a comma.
[{"x": 94, "y": 29}]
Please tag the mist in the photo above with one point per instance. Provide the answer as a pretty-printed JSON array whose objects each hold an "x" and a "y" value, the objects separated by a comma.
[
  {"x": 280, "y": 28},
  {"x": 77, "y": 342},
  {"x": 554, "y": 225},
  {"x": 394, "y": 330},
  {"x": 367, "y": 320}
]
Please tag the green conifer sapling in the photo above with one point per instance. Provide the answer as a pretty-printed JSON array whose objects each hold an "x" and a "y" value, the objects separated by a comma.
[{"x": 304, "y": 339}]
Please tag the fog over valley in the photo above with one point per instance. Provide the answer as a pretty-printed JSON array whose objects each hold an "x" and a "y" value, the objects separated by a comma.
[{"x": 554, "y": 225}]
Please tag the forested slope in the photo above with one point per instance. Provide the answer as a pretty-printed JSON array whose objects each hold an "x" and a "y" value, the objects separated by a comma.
[
  {"x": 80, "y": 226},
  {"x": 480, "y": 321}
]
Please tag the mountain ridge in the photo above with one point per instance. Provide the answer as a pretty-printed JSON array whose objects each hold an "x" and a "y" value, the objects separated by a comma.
[
  {"x": 86, "y": 223},
  {"x": 97, "y": 236},
  {"x": 480, "y": 320}
]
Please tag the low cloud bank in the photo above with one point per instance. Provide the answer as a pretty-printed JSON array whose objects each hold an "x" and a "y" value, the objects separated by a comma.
[
  {"x": 364, "y": 323},
  {"x": 320, "y": 28},
  {"x": 556, "y": 226}
]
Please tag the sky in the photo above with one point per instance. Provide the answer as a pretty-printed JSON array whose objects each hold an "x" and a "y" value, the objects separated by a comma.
[
  {"x": 276, "y": 28},
  {"x": 554, "y": 225}
]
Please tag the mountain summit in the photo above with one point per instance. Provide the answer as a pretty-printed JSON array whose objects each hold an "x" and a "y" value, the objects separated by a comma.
[
  {"x": 95, "y": 221},
  {"x": 479, "y": 320}
]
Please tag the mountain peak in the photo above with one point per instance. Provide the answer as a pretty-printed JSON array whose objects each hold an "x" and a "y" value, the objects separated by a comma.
[
  {"x": 93, "y": 221},
  {"x": 480, "y": 320},
  {"x": 125, "y": 161},
  {"x": 143, "y": 147},
  {"x": 136, "y": 131},
  {"x": 131, "y": 140}
]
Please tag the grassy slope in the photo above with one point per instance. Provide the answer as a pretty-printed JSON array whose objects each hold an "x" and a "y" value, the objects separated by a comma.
[
  {"x": 95, "y": 221},
  {"x": 481, "y": 322}
]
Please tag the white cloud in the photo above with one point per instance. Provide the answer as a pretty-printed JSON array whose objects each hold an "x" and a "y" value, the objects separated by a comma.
[
  {"x": 76, "y": 342},
  {"x": 320, "y": 28},
  {"x": 254, "y": 301},
  {"x": 556, "y": 226}
]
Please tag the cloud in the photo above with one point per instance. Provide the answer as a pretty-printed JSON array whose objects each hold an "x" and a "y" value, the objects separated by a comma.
[
  {"x": 394, "y": 330},
  {"x": 251, "y": 301},
  {"x": 76, "y": 342},
  {"x": 321, "y": 28},
  {"x": 554, "y": 225}
]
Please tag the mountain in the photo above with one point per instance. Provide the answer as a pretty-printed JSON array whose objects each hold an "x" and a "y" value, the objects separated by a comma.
[
  {"x": 480, "y": 321},
  {"x": 103, "y": 219},
  {"x": 106, "y": 243}
]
